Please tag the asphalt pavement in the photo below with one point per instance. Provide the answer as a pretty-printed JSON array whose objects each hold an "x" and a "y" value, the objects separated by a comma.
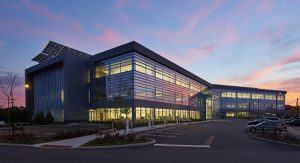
[{"x": 219, "y": 141}]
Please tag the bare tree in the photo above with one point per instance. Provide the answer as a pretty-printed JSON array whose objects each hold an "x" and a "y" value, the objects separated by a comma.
[{"x": 8, "y": 83}]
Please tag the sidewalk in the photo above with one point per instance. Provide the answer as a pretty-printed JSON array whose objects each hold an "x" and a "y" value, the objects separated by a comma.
[{"x": 76, "y": 142}]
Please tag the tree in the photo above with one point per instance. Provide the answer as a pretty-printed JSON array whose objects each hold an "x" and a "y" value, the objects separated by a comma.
[
  {"x": 8, "y": 83},
  {"x": 49, "y": 118}
]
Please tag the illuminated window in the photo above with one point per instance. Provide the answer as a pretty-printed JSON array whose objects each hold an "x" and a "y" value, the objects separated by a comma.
[
  {"x": 242, "y": 105},
  {"x": 257, "y": 96},
  {"x": 126, "y": 65},
  {"x": 62, "y": 95},
  {"x": 159, "y": 74},
  {"x": 158, "y": 94},
  {"x": 140, "y": 66},
  {"x": 270, "y": 97},
  {"x": 101, "y": 71},
  {"x": 280, "y": 97},
  {"x": 230, "y": 114},
  {"x": 229, "y": 94},
  {"x": 149, "y": 70},
  {"x": 230, "y": 105},
  {"x": 243, "y": 95}
]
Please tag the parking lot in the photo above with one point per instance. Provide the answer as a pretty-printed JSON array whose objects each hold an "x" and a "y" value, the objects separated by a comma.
[{"x": 217, "y": 141}]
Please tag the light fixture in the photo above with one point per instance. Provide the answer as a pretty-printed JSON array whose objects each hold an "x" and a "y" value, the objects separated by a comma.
[{"x": 26, "y": 85}]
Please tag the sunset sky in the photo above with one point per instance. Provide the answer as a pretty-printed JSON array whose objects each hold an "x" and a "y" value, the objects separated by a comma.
[{"x": 245, "y": 43}]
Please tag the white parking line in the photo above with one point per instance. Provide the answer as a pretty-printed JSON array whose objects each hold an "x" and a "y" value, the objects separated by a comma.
[
  {"x": 209, "y": 140},
  {"x": 182, "y": 145}
]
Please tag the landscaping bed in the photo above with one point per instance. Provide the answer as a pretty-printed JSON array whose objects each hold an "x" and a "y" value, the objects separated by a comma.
[
  {"x": 26, "y": 138},
  {"x": 111, "y": 140},
  {"x": 284, "y": 138}
]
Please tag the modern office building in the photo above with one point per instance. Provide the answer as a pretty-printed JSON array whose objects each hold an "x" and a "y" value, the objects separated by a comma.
[
  {"x": 130, "y": 81},
  {"x": 242, "y": 102}
]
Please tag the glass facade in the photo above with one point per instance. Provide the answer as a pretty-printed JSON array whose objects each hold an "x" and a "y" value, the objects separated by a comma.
[
  {"x": 107, "y": 114},
  {"x": 236, "y": 103},
  {"x": 133, "y": 76},
  {"x": 155, "y": 82}
]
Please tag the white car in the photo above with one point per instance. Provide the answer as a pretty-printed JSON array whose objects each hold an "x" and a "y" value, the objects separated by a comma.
[{"x": 2, "y": 123}]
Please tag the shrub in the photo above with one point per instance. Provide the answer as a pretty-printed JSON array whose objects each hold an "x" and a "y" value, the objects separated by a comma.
[
  {"x": 49, "y": 118},
  {"x": 39, "y": 118}
]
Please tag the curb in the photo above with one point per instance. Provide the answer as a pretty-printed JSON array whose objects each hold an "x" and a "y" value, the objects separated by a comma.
[
  {"x": 152, "y": 141},
  {"x": 16, "y": 145},
  {"x": 277, "y": 142}
]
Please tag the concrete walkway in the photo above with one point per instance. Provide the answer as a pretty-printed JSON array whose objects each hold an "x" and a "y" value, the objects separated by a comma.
[{"x": 76, "y": 142}]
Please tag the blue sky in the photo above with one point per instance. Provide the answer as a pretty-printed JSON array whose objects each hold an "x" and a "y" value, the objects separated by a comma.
[{"x": 249, "y": 43}]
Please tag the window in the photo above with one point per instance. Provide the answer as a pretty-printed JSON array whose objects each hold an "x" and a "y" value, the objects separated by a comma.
[
  {"x": 257, "y": 96},
  {"x": 158, "y": 94},
  {"x": 101, "y": 71},
  {"x": 228, "y": 94},
  {"x": 242, "y": 105},
  {"x": 243, "y": 95},
  {"x": 230, "y": 105},
  {"x": 159, "y": 74},
  {"x": 280, "y": 97},
  {"x": 149, "y": 70},
  {"x": 140, "y": 66},
  {"x": 126, "y": 65},
  {"x": 270, "y": 97}
]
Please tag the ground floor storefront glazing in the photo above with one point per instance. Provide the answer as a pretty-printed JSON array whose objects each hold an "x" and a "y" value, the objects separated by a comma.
[{"x": 140, "y": 113}]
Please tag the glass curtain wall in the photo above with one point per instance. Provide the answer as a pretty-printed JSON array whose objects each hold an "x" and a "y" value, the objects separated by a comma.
[
  {"x": 155, "y": 82},
  {"x": 141, "y": 113}
]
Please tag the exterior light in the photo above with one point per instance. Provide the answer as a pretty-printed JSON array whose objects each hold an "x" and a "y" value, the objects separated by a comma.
[{"x": 26, "y": 85}]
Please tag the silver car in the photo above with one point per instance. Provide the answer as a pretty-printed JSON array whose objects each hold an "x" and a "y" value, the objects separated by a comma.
[
  {"x": 2, "y": 123},
  {"x": 268, "y": 126}
]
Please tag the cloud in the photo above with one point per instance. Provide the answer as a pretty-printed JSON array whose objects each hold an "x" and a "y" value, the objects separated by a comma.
[
  {"x": 269, "y": 69},
  {"x": 253, "y": 77},
  {"x": 120, "y": 6},
  {"x": 57, "y": 18},
  {"x": 289, "y": 85},
  {"x": 109, "y": 36},
  {"x": 191, "y": 56}
]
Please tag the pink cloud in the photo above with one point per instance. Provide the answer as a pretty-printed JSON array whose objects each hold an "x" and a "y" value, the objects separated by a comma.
[
  {"x": 191, "y": 56},
  {"x": 231, "y": 36},
  {"x": 109, "y": 36},
  {"x": 58, "y": 18},
  {"x": 200, "y": 16},
  {"x": 265, "y": 6},
  {"x": 289, "y": 85},
  {"x": 269, "y": 69},
  {"x": 263, "y": 72}
]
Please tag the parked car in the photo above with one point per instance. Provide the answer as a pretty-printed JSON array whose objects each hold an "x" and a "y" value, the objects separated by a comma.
[
  {"x": 268, "y": 126},
  {"x": 294, "y": 122},
  {"x": 2, "y": 123},
  {"x": 257, "y": 121}
]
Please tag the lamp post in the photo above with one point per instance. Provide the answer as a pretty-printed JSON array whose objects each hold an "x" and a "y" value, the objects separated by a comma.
[{"x": 297, "y": 106}]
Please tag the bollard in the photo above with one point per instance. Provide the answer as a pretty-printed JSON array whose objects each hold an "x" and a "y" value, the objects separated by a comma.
[
  {"x": 149, "y": 123},
  {"x": 127, "y": 126}
]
